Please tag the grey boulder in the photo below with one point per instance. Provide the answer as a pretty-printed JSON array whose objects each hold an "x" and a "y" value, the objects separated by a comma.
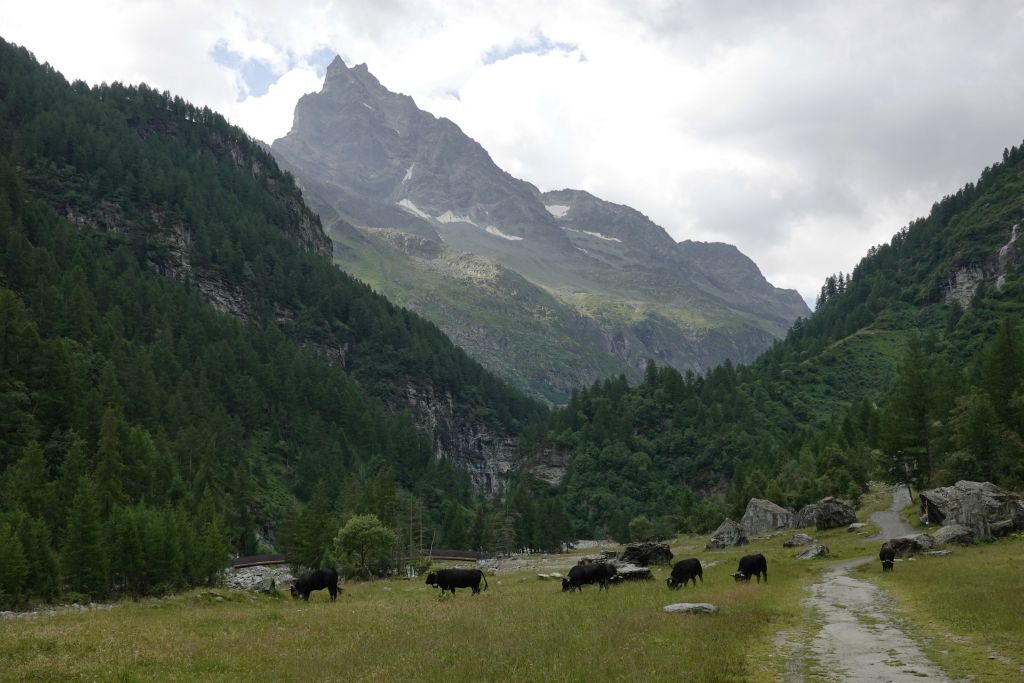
[
  {"x": 954, "y": 533},
  {"x": 690, "y": 608},
  {"x": 729, "y": 534},
  {"x": 981, "y": 506},
  {"x": 827, "y": 513},
  {"x": 798, "y": 539},
  {"x": 810, "y": 552},
  {"x": 763, "y": 516}
]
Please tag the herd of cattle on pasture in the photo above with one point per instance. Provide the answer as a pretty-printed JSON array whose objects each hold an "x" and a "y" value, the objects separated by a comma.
[{"x": 584, "y": 573}]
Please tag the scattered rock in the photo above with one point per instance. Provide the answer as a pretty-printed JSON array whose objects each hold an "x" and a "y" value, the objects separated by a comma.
[
  {"x": 690, "y": 608},
  {"x": 810, "y": 552},
  {"x": 258, "y": 578},
  {"x": 797, "y": 540},
  {"x": 763, "y": 515},
  {"x": 647, "y": 553},
  {"x": 544, "y": 577},
  {"x": 827, "y": 513},
  {"x": 905, "y": 546},
  {"x": 983, "y": 507},
  {"x": 632, "y": 572},
  {"x": 856, "y": 526},
  {"x": 729, "y": 534},
  {"x": 954, "y": 533},
  {"x": 939, "y": 553},
  {"x": 555, "y": 575}
]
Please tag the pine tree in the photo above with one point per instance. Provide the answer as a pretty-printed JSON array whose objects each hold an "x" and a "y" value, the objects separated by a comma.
[
  {"x": 83, "y": 560},
  {"x": 110, "y": 469},
  {"x": 13, "y": 566}
]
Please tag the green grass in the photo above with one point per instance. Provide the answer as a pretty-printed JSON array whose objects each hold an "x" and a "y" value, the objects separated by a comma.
[
  {"x": 521, "y": 629},
  {"x": 965, "y": 608}
]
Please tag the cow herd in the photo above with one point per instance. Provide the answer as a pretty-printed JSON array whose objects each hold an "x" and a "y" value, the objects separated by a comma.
[{"x": 683, "y": 572}]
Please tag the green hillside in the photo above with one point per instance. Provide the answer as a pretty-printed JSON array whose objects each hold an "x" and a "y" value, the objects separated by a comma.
[
  {"x": 890, "y": 372},
  {"x": 183, "y": 373}
]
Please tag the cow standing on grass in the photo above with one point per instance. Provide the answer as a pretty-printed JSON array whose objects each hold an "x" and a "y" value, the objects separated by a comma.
[
  {"x": 450, "y": 579},
  {"x": 752, "y": 565},
  {"x": 582, "y": 574},
  {"x": 888, "y": 557},
  {"x": 315, "y": 581},
  {"x": 684, "y": 571}
]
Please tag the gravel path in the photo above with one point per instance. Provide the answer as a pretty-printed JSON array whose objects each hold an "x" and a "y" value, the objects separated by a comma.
[
  {"x": 858, "y": 640},
  {"x": 889, "y": 523}
]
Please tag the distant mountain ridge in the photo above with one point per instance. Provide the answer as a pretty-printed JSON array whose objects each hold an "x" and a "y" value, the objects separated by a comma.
[{"x": 617, "y": 289}]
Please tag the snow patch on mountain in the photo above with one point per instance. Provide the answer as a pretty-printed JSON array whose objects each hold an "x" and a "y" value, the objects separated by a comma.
[
  {"x": 498, "y": 233},
  {"x": 557, "y": 210},
  {"x": 449, "y": 217},
  {"x": 413, "y": 209},
  {"x": 408, "y": 172},
  {"x": 596, "y": 234}
]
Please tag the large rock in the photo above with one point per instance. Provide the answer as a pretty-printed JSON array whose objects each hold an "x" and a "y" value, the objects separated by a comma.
[
  {"x": 647, "y": 553},
  {"x": 954, "y": 533},
  {"x": 812, "y": 551},
  {"x": 905, "y": 546},
  {"x": 728, "y": 535},
  {"x": 763, "y": 516},
  {"x": 983, "y": 507},
  {"x": 827, "y": 513},
  {"x": 627, "y": 571},
  {"x": 797, "y": 540},
  {"x": 259, "y": 578}
]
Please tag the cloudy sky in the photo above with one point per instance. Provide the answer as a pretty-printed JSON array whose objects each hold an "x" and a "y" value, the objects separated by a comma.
[{"x": 802, "y": 132}]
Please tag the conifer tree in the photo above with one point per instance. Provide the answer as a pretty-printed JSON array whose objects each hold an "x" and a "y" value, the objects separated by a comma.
[{"x": 83, "y": 557}]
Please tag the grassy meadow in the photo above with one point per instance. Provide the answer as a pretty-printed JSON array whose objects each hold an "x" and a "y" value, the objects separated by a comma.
[
  {"x": 520, "y": 629},
  {"x": 964, "y": 608}
]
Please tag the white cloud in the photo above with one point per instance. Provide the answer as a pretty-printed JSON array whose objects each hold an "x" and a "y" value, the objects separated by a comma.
[{"x": 802, "y": 132}]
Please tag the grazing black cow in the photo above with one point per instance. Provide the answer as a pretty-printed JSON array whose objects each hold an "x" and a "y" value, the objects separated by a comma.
[
  {"x": 752, "y": 565},
  {"x": 888, "y": 557},
  {"x": 598, "y": 572},
  {"x": 684, "y": 571},
  {"x": 314, "y": 581},
  {"x": 450, "y": 579}
]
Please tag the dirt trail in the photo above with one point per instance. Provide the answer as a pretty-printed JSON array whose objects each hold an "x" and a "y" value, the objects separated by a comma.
[
  {"x": 858, "y": 639},
  {"x": 889, "y": 523}
]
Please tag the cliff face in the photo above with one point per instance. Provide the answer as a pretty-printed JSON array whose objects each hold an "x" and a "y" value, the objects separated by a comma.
[{"x": 484, "y": 450}]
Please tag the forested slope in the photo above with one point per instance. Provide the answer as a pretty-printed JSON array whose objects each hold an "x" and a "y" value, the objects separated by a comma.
[
  {"x": 144, "y": 434},
  {"x": 913, "y": 362}
]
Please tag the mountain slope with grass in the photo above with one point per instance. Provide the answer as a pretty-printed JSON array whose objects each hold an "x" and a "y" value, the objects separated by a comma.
[{"x": 576, "y": 288}]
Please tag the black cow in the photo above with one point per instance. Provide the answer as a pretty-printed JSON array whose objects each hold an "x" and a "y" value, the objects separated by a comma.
[
  {"x": 888, "y": 557},
  {"x": 684, "y": 571},
  {"x": 450, "y": 579},
  {"x": 582, "y": 574},
  {"x": 752, "y": 565},
  {"x": 314, "y": 581}
]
